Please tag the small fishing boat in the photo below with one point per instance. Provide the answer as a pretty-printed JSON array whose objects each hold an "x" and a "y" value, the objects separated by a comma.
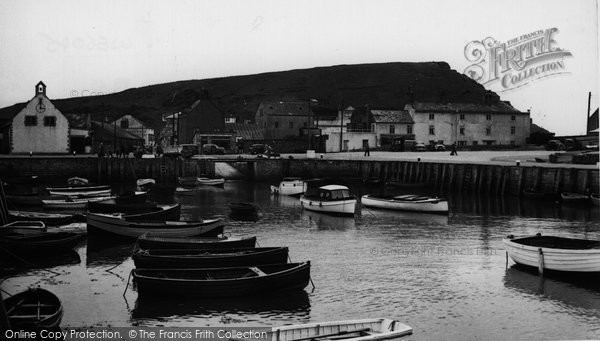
[
  {"x": 150, "y": 241},
  {"x": 574, "y": 198},
  {"x": 334, "y": 199},
  {"x": 112, "y": 206},
  {"x": 115, "y": 224},
  {"x": 220, "y": 282},
  {"x": 39, "y": 243},
  {"x": 33, "y": 309},
  {"x": 188, "y": 180},
  {"x": 52, "y": 219},
  {"x": 77, "y": 181},
  {"x": 70, "y": 203},
  {"x": 354, "y": 330},
  {"x": 78, "y": 188},
  {"x": 145, "y": 185},
  {"x": 554, "y": 253},
  {"x": 82, "y": 194},
  {"x": 595, "y": 199},
  {"x": 243, "y": 208},
  {"x": 290, "y": 186},
  {"x": 203, "y": 258},
  {"x": 23, "y": 227},
  {"x": 211, "y": 181},
  {"x": 533, "y": 194},
  {"x": 406, "y": 203},
  {"x": 185, "y": 191},
  {"x": 160, "y": 212}
]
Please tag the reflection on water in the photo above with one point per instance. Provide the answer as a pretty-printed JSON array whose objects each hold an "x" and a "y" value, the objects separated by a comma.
[
  {"x": 13, "y": 264},
  {"x": 433, "y": 272}
]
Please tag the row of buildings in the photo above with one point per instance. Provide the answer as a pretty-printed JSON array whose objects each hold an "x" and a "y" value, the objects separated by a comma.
[{"x": 291, "y": 126}]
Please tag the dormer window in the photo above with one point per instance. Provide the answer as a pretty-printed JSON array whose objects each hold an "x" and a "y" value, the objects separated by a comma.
[{"x": 40, "y": 89}]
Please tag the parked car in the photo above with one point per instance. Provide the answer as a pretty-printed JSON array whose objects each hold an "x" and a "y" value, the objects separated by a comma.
[
  {"x": 420, "y": 147},
  {"x": 258, "y": 149},
  {"x": 211, "y": 149},
  {"x": 440, "y": 147},
  {"x": 189, "y": 150},
  {"x": 555, "y": 145}
]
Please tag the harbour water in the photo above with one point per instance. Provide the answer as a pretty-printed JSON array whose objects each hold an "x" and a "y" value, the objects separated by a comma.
[{"x": 446, "y": 276}]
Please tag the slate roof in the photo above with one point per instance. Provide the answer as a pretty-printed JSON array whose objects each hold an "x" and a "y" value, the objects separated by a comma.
[
  {"x": 391, "y": 116},
  {"x": 247, "y": 131},
  {"x": 499, "y": 107}
]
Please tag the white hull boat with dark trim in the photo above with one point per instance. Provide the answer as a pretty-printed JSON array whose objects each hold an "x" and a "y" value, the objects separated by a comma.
[
  {"x": 334, "y": 199},
  {"x": 211, "y": 182},
  {"x": 555, "y": 253},
  {"x": 289, "y": 186},
  {"x": 144, "y": 185},
  {"x": 407, "y": 203},
  {"x": 350, "y": 330},
  {"x": 83, "y": 194},
  {"x": 71, "y": 203}
]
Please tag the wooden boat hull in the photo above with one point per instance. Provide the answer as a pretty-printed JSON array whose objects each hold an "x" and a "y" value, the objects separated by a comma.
[
  {"x": 185, "y": 258},
  {"x": 291, "y": 188},
  {"x": 78, "y": 188},
  {"x": 82, "y": 194},
  {"x": 23, "y": 227},
  {"x": 110, "y": 206},
  {"x": 70, "y": 204},
  {"x": 145, "y": 184},
  {"x": 164, "y": 213},
  {"x": 238, "y": 281},
  {"x": 342, "y": 207},
  {"x": 25, "y": 200},
  {"x": 211, "y": 182},
  {"x": 429, "y": 206},
  {"x": 553, "y": 258},
  {"x": 115, "y": 225},
  {"x": 149, "y": 241},
  {"x": 574, "y": 198},
  {"x": 595, "y": 199},
  {"x": 46, "y": 218},
  {"x": 22, "y": 310},
  {"x": 371, "y": 330},
  {"x": 39, "y": 243}
]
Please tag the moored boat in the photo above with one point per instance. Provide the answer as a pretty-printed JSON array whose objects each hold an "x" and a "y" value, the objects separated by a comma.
[
  {"x": 532, "y": 193},
  {"x": 70, "y": 203},
  {"x": 334, "y": 199},
  {"x": 554, "y": 253},
  {"x": 39, "y": 243},
  {"x": 115, "y": 224},
  {"x": 163, "y": 212},
  {"x": 23, "y": 227},
  {"x": 78, "y": 188},
  {"x": 199, "y": 258},
  {"x": 290, "y": 186},
  {"x": 112, "y": 206},
  {"x": 219, "y": 282},
  {"x": 595, "y": 199},
  {"x": 150, "y": 241},
  {"x": 354, "y": 330},
  {"x": 82, "y": 194},
  {"x": 188, "y": 180},
  {"x": 574, "y": 198},
  {"x": 145, "y": 185},
  {"x": 77, "y": 181},
  {"x": 34, "y": 309},
  {"x": 46, "y": 218},
  {"x": 211, "y": 181},
  {"x": 406, "y": 203}
]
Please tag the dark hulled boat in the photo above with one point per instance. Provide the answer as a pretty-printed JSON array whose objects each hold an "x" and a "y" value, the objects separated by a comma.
[
  {"x": 40, "y": 243},
  {"x": 186, "y": 258},
  {"x": 34, "y": 309},
  {"x": 220, "y": 282},
  {"x": 149, "y": 241}
]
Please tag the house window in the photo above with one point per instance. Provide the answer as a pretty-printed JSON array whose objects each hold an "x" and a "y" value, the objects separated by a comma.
[
  {"x": 50, "y": 121},
  {"x": 30, "y": 121},
  {"x": 291, "y": 125},
  {"x": 230, "y": 120},
  {"x": 462, "y": 116},
  {"x": 275, "y": 124},
  {"x": 431, "y": 116},
  {"x": 513, "y": 130},
  {"x": 488, "y": 117},
  {"x": 462, "y": 143},
  {"x": 513, "y": 118},
  {"x": 124, "y": 123},
  {"x": 488, "y": 131},
  {"x": 392, "y": 129},
  {"x": 431, "y": 130},
  {"x": 462, "y": 130},
  {"x": 489, "y": 142},
  {"x": 475, "y": 143},
  {"x": 409, "y": 129}
]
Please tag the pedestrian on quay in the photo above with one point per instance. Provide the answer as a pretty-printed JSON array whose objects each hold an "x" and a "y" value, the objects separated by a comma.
[
  {"x": 453, "y": 152},
  {"x": 123, "y": 150},
  {"x": 367, "y": 150},
  {"x": 101, "y": 150}
]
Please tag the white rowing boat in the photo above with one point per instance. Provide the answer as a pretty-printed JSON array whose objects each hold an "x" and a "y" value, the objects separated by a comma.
[
  {"x": 82, "y": 194},
  {"x": 71, "y": 203},
  {"x": 354, "y": 330},
  {"x": 554, "y": 253},
  {"x": 211, "y": 182},
  {"x": 407, "y": 203},
  {"x": 334, "y": 199},
  {"x": 289, "y": 186}
]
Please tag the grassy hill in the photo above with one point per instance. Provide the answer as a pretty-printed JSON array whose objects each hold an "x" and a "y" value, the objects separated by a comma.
[{"x": 380, "y": 85}]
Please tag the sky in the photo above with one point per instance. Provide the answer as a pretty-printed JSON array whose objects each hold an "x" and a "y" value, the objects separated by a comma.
[{"x": 93, "y": 47}]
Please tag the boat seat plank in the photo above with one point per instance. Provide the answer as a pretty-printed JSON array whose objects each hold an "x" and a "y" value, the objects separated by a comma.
[
  {"x": 39, "y": 317},
  {"x": 257, "y": 271},
  {"x": 340, "y": 335}
]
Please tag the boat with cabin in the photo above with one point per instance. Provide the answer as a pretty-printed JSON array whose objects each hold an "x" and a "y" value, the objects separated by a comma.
[{"x": 334, "y": 199}]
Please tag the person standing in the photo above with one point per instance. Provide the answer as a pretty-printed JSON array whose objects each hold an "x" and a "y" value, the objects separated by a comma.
[
  {"x": 367, "y": 150},
  {"x": 453, "y": 152}
]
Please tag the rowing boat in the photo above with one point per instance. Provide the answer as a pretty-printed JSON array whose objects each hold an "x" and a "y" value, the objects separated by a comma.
[
  {"x": 34, "y": 309},
  {"x": 115, "y": 224},
  {"x": 353, "y": 330},
  {"x": 46, "y": 218},
  {"x": 70, "y": 203},
  {"x": 406, "y": 203},
  {"x": 219, "y": 282},
  {"x": 554, "y": 253},
  {"x": 150, "y": 241},
  {"x": 39, "y": 243},
  {"x": 163, "y": 212},
  {"x": 82, "y": 194},
  {"x": 78, "y": 188},
  {"x": 23, "y": 227},
  {"x": 574, "y": 198},
  {"x": 198, "y": 258}
]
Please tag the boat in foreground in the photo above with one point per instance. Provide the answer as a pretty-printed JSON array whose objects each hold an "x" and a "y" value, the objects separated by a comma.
[
  {"x": 289, "y": 186},
  {"x": 355, "y": 330},
  {"x": 415, "y": 203},
  {"x": 115, "y": 224},
  {"x": 334, "y": 199},
  {"x": 23, "y": 227},
  {"x": 554, "y": 253},
  {"x": 199, "y": 258},
  {"x": 46, "y": 218},
  {"x": 220, "y": 282},
  {"x": 39, "y": 243},
  {"x": 150, "y": 241},
  {"x": 34, "y": 309}
]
